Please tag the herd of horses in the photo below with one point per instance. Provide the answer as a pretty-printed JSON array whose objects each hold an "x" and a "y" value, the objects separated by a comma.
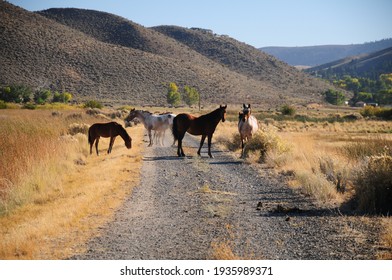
[{"x": 180, "y": 124}]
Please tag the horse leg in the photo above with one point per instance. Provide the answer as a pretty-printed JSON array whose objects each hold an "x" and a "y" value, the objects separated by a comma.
[
  {"x": 91, "y": 147},
  {"x": 180, "y": 151},
  {"x": 151, "y": 139},
  {"x": 111, "y": 144},
  {"x": 96, "y": 145},
  {"x": 209, "y": 145},
  {"x": 242, "y": 147},
  {"x": 203, "y": 137}
]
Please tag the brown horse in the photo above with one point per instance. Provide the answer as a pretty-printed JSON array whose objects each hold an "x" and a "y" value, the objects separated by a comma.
[
  {"x": 204, "y": 125},
  {"x": 112, "y": 130}
]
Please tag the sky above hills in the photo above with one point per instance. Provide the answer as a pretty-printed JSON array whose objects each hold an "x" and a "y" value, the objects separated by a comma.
[{"x": 259, "y": 23}]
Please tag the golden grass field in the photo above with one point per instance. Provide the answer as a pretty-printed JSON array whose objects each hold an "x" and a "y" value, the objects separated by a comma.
[{"x": 54, "y": 195}]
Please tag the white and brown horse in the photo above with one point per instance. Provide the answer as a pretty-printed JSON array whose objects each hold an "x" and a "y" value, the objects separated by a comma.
[
  {"x": 158, "y": 123},
  {"x": 247, "y": 126}
]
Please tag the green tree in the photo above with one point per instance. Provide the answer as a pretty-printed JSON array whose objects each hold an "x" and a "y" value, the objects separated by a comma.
[
  {"x": 362, "y": 96},
  {"x": 41, "y": 96},
  {"x": 191, "y": 96},
  {"x": 16, "y": 93},
  {"x": 334, "y": 97},
  {"x": 173, "y": 95}
]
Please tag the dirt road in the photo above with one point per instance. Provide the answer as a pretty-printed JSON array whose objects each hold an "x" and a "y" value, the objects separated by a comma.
[{"x": 202, "y": 208}]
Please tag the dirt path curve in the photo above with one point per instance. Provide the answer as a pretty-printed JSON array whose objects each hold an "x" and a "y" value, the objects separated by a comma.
[{"x": 202, "y": 208}]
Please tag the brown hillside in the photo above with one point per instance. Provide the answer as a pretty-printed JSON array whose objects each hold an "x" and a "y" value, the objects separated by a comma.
[
  {"x": 122, "y": 62},
  {"x": 243, "y": 59}
]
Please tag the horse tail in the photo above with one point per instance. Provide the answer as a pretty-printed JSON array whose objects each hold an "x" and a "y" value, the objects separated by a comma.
[
  {"x": 175, "y": 129},
  {"x": 90, "y": 136}
]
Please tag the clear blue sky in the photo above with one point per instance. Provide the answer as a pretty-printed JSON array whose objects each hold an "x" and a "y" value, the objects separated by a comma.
[{"x": 259, "y": 23}]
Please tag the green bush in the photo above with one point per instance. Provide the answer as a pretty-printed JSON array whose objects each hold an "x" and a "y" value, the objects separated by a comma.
[
  {"x": 373, "y": 185},
  {"x": 62, "y": 97},
  {"x": 334, "y": 97},
  {"x": 3, "y": 105},
  {"x": 29, "y": 106},
  {"x": 288, "y": 110},
  {"x": 93, "y": 104},
  {"x": 41, "y": 96},
  {"x": 16, "y": 94},
  {"x": 371, "y": 111}
]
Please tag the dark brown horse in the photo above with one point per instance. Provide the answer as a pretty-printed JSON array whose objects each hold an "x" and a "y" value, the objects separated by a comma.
[
  {"x": 204, "y": 125},
  {"x": 112, "y": 130}
]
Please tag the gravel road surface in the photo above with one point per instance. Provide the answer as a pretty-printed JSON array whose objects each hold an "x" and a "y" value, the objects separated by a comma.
[{"x": 186, "y": 208}]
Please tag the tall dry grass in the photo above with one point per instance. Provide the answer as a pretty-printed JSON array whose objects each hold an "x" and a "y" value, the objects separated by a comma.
[
  {"x": 28, "y": 142},
  {"x": 52, "y": 198}
]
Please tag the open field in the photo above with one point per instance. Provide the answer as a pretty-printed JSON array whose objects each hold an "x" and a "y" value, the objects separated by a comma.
[
  {"x": 54, "y": 195},
  {"x": 322, "y": 158}
]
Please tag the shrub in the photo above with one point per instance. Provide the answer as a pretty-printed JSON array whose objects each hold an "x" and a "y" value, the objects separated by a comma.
[
  {"x": 370, "y": 111},
  {"x": 316, "y": 184},
  {"x": 287, "y": 110},
  {"x": 41, "y": 96},
  {"x": 267, "y": 144},
  {"x": 3, "y": 105},
  {"x": 373, "y": 185},
  {"x": 62, "y": 97},
  {"x": 93, "y": 104},
  {"x": 76, "y": 128},
  {"x": 29, "y": 106},
  {"x": 365, "y": 148}
]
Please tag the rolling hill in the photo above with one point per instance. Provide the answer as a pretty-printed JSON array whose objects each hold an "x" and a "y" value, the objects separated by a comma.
[
  {"x": 366, "y": 66},
  {"x": 96, "y": 55},
  {"x": 318, "y": 55}
]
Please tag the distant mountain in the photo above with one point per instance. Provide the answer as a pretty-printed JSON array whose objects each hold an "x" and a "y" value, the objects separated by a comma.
[
  {"x": 365, "y": 65},
  {"x": 318, "y": 55},
  {"x": 96, "y": 55}
]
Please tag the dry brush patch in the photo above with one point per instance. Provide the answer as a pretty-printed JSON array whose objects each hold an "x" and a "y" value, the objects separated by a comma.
[
  {"x": 56, "y": 194},
  {"x": 338, "y": 163}
]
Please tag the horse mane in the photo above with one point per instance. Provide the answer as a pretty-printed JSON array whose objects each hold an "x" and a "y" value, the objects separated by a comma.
[{"x": 213, "y": 113}]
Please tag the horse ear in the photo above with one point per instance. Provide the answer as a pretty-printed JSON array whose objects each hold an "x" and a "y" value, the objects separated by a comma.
[
  {"x": 133, "y": 109},
  {"x": 243, "y": 105},
  {"x": 249, "y": 106}
]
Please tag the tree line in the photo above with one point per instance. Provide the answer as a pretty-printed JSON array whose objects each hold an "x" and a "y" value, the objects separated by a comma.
[
  {"x": 365, "y": 89},
  {"x": 190, "y": 96},
  {"x": 24, "y": 94}
]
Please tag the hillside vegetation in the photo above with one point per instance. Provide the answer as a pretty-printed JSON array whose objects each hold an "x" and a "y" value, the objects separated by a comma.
[
  {"x": 317, "y": 55},
  {"x": 95, "y": 55},
  {"x": 366, "y": 66}
]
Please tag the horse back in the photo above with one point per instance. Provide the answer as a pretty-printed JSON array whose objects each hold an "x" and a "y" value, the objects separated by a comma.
[{"x": 103, "y": 130}]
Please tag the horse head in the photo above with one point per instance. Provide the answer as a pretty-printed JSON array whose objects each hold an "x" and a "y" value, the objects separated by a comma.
[
  {"x": 131, "y": 116},
  {"x": 246, "y": 111},
  {"x": 223, "y": 112}
]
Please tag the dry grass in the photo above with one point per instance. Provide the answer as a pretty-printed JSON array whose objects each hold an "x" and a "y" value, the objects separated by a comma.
[
  {"x": 386, "y": 240},
  {"x": 57, "y": 195},
  {"x": 323, "y": 157}
]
